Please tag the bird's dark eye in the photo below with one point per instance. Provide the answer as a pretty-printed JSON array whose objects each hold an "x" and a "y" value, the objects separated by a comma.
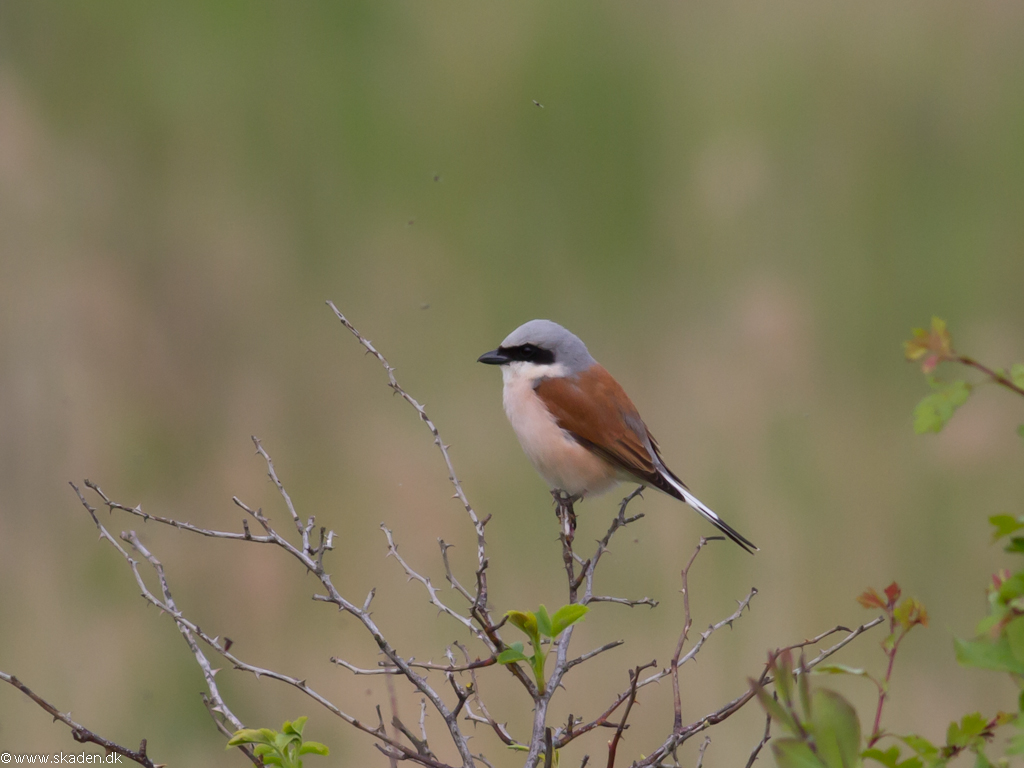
[{"x": 528, "y": 351}]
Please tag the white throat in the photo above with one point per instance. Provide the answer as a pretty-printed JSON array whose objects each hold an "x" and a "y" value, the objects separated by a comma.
[{"x": 523, "y": 372}]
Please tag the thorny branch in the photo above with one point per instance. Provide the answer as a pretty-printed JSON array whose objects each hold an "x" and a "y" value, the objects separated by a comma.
[
  {"x": 703, "y": 748},
  {"x": 191, "y": 631},
  {"x": 634, "y": 678},
  {"x": 764, "y": 740},
  {"x": 567, "y": 517},
  {"x": 79, "y": 732},
  {"x": 677, "y": 723},
  {"x": 544, "y": 740},
  {"x": 726, "y": 711},
  {"x": 480, "y": 600},
  {"x": 218, "y": 709},
  {"x": 602, "y": 720}
]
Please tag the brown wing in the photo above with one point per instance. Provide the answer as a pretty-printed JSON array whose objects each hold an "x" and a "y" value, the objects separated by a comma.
[{"x": 594, "y": 409}]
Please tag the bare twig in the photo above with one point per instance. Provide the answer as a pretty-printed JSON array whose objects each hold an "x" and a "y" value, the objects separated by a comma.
[
  {"x": 479, "y": 609},
  {"x": 79, "y": 732},
  {"x": 727, "y": 710},
  {"x": 396, "y": 723},
  {"x": 451, "y": 576},
  {"x": 624, "y": 601},
  {"x": 852, "y": 634},
  {"x": 478, "y": 524},
  {"x": 995, "y": 376},
  {"x": 272, "y": 473},
  {"x": 484, "y": 716},
  {"x": 764, "y": 740},
  {"x": 591, "y": 654},
  {"x": 634, "y": 679},
  {"x": 586, "y": 580},
  {"x": 218, "y": 704},
  {"x": 387, "y": 669},
  {"x": 602, "y": 720},
  {"x": 566, "y": 513},
  {"x": 432, "y": 590},
  {"x": 191, "y": 631},
  {"x": 137, "y": 511},
  {"x": 618, "y": 522},
  {"x": 703, "y": 749},
  {"x": 677, "y": 723}
]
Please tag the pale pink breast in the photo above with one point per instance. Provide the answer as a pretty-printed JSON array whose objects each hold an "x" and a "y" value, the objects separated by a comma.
[{"x": 560, "y": 460}]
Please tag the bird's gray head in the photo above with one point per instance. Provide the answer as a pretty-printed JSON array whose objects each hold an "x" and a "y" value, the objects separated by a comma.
[{"x": 541, "y": 342}]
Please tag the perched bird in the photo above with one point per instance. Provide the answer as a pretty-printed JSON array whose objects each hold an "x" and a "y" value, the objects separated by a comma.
[{"x": 576, "y": 423}]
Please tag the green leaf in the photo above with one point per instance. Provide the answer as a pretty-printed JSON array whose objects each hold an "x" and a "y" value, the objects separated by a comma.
[
  {"x": 839, "y": 669},
  {"x": 1020, "y": 430},
  {"x": 836, "y": 729},
  {"x": 566, "y": 616},
  {"x": 891, "y": 758},
  {"x": 910, "y": 613},
  {"x": 295, "y": 726},
  {"x": 1016, "y": 746},
  {"x": 1014, "y": 633},
  {"x": 966, "y": 733},
  {"x": 1012, "y": 587},
  {"x": 921, "y": 745},
  {"x": 1017, "y": 374},
  {"x": 1004, "y": 525},
  {"x": 772, "y": 707},
  {"x": 544, "y": 622},
  {"x": 246, "y": 736},
  {"x": 784, "y": 677},
  {"x": 988, "y": 654},
  {"x": 511, "y": 655},
  {"x": 794, "y": 753},
  {"x": 803, "y": 683},
  {"x": 525, "y": 620},
  {"x": 1016, "y": 545},
  {"x": 282, "y": 740},
  {"x": 314, "y": 748},
  {"x": 932, "y": 413}
]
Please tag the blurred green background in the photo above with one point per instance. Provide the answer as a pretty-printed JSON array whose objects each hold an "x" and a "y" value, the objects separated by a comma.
[{"x": 742, "y": 208}]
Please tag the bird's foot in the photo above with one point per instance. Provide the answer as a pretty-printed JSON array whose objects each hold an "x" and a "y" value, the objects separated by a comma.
[
  {"x": 565, "y": 512},
  {"x": 564, "y": 497}
]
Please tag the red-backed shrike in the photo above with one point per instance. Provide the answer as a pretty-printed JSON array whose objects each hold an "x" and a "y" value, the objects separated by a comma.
[{"x": 576, "y": 423}]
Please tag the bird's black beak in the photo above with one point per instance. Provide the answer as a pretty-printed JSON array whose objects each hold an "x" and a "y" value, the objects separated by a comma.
[{"x": 494, "y": 357}]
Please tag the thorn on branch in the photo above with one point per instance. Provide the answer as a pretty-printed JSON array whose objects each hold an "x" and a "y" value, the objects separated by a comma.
[{"x": 79, "y": 732}]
